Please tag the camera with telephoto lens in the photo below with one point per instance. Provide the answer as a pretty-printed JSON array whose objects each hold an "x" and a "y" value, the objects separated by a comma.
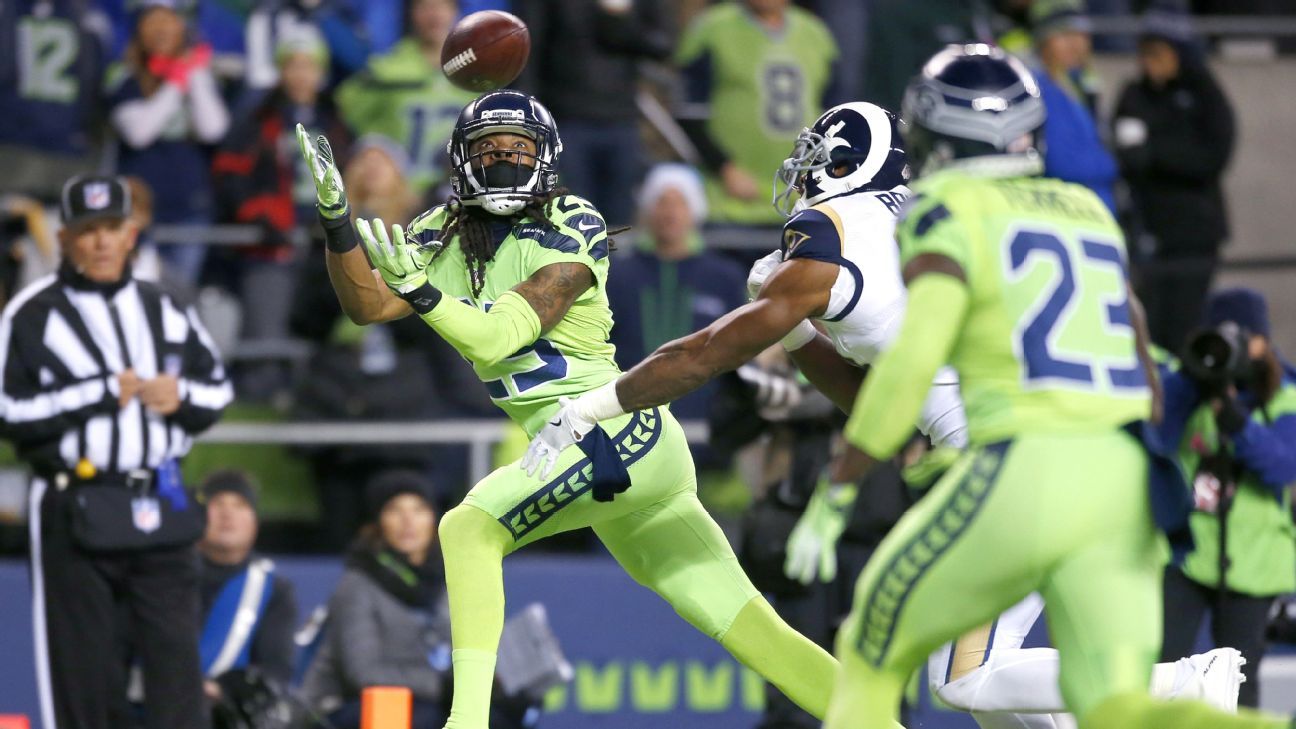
[{"x": 1218, "y": 357}]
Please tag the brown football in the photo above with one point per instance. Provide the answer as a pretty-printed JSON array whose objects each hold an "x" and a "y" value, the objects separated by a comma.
[{"x": 486, "y": 51}]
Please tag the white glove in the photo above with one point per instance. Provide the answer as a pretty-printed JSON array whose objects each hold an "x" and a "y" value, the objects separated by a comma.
[
  {"x": 566, "y": 428},
  {"x": 760, "y": 271}
]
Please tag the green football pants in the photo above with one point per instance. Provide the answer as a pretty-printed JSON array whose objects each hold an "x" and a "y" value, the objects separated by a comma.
[{"x": 1063, "y": 514}]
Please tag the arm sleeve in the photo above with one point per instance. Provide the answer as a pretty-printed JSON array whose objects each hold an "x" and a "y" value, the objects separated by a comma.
[
  {"x": 1269, "y": 451},
  {"x": 486, "y": 337},
  {"x": 205, "y": 389},
  {"x": 813, "y": 234},
  {"x": 272, "y": 646},
  {"x": 210, "y": 118},
  {"x": 139, "y": 122},
  {"x": 32, "y": 411},
  {"x": 895, "y": 390},
  {"x": 1181, "y": 398},
  {"x": 359, "y": 644},
  {"x": 693, "y": 58}
]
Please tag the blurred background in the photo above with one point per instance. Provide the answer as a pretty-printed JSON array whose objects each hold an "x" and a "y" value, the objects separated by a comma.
[{"x": 1180, "y": 116}]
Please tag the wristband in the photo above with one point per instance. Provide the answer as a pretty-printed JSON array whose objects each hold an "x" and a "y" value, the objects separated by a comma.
[
  {"x": 423, "y": 299},
  {"x": 599, "y": 404},
  {"x": 339, "y": 234},
  {"x": 800, "y": 336}
]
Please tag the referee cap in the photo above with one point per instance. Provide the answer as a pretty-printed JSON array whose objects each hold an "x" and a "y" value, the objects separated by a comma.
[{"x": 94, "y": 197}]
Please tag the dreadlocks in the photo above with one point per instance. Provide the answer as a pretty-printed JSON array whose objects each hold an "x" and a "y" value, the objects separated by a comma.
[{"x": 473, "y": 226}]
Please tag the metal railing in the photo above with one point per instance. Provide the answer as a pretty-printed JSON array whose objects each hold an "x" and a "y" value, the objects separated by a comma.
[{"x": 478, "y": 435}]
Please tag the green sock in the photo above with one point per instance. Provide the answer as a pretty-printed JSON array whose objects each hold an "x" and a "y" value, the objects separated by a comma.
[
  {"x": 473, "y": 546},
  {"x": 474, "y": 674},
  {"x": 803, "y": 671},
  {"x": 1139, "y": 711}
]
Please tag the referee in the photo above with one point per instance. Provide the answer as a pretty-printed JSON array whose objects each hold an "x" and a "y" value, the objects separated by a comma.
[{"x": 104, "y": 380}]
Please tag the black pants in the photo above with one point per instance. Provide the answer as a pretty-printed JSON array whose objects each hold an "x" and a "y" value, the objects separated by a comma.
[
  {"x": 1174, "y": 299},
  {"x": 78, "y": 599},
  {"x": 1237, "y": 621}
]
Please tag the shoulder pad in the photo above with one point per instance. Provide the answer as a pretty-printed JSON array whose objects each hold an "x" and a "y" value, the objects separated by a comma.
[{"x": 815, "y": 233}]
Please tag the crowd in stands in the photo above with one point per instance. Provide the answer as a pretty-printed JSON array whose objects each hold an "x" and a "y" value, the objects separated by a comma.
[{"x": 197, "y": 101}]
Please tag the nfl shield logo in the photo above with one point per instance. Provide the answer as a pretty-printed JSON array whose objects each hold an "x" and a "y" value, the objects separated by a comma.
[
  {"x": 97, "y": 195},
  {"x": 146, "y": 514}
]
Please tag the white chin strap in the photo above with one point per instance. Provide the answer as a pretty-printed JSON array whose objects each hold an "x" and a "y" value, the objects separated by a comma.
[{"x": 502, "y": 203}]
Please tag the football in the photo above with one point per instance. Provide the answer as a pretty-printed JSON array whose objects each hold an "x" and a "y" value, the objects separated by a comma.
[{"x": 486, "y": 51}]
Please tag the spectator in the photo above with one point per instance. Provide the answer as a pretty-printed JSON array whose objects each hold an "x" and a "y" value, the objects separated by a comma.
[
  {"x": 342, "y": 25},
  {"x": 248, "y": 610},
  {"x": 903, "y": 34},
  {"x": 405, "y": 96},
  {"x": 755, "y": 73},
  {"x": 258, "y": 174},
  {"x": 1073, "y": 150},
  {"x": 388, "y": 621},
  {"x": 669, "y": 285},
  {"x": 585, "y": 58},
  {"x": 52, "y": 58},
  {"x": 105, "y": 383},
  {"x": 1237, "y": 445},
  {"x": 376, "y": 180},
  {"x": 165, "y": 107},
  {"x": 1174, "y": 134}
]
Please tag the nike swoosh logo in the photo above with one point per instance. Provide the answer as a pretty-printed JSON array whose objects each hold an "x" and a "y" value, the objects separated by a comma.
[
  {"x": 555, "y": 423},
  {"x": 583, "y": 227}
]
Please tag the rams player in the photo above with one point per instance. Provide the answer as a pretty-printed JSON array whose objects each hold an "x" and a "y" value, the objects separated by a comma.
[
  {"x": 839, "y": 265},
  {"x": 1019, "y": 283},
  {"x": 511, "y": 273}
]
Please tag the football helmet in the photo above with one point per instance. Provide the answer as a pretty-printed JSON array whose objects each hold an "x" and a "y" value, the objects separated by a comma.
[
  {"x": 502, "y": 187},
  {"x": 975, "y": 107},
  {"x": 850, "y": 147}
]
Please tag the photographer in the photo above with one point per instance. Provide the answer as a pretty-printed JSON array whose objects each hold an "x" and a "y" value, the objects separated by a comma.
[
  {"x": 1232, "y": 409},
  {"x": 104, "y": 381}
]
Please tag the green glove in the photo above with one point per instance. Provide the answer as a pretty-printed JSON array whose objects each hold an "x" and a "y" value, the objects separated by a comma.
[
  {"x": 329, "y": 195},
  {"x": 923, "y": 473},
  {"x": 812, "y": 546},
  {"x": 402, "y": 265}
]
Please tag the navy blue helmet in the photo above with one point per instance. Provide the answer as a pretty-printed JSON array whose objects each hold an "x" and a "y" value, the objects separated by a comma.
[
  {"x": 504, "y": 187},
  {"x": 974, "y": 105},
  {"x": 850, "y": 147}
]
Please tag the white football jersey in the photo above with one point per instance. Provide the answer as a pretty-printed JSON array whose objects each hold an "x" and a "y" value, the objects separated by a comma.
[{"x": 866, "y": 305}]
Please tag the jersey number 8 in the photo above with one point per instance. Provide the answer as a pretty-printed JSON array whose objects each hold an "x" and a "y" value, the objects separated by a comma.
[{"x": 1054, "y": 311}]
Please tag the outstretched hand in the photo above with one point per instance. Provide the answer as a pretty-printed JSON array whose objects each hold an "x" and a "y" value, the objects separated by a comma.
[{"x": 329, "y": 195}]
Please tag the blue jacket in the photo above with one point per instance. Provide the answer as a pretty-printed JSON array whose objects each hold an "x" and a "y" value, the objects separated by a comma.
[{"x": 1073, "y": 150}]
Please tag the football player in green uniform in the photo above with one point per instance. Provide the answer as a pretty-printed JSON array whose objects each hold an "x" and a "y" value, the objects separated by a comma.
[
  {"x": 512, "y": 274},
  {"x": 1019, "y": 283}
]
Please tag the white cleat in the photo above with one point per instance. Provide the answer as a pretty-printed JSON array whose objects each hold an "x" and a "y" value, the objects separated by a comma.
[{"x": 1217, "y": 676}]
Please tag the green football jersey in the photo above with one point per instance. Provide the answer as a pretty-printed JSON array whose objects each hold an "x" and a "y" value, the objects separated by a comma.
[
  {"x": 402, "y": 96},
  {"x": 1046, "y": 342},
  {"x": 568, "y": 360},
  {"x": 764, "y": 87}
]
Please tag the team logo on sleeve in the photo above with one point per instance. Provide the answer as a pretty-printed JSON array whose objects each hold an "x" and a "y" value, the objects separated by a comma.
[{"x": 792, "y": 240}]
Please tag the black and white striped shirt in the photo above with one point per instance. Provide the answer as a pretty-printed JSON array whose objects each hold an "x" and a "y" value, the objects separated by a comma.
[{"x": 64, "y": 341}]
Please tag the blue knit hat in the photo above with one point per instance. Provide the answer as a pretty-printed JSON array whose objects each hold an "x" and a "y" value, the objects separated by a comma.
[{"x": 1242, "y": 306}]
